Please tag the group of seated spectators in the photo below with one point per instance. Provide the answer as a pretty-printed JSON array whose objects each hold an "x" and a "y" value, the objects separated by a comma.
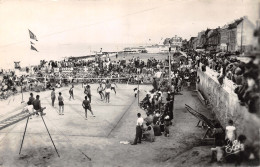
[
  {"x": 158, "y": 104},
  {"x": 133, "y": 70},
  {"x": 243, "y": 74},
  {"x": 8, "y": 84}
]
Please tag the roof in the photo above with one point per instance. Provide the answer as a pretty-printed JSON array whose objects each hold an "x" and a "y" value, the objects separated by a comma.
[
  {"x": 214, "y": 32},
  {"x": 235, "y": 23}
]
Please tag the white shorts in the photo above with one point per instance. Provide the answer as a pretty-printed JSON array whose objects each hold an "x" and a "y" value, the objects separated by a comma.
[
  {"x": 108, "y": 90},
  {"x": 29, "y": 109}
]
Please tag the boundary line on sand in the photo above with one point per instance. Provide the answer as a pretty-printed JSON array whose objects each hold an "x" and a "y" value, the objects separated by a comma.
[{"x": 121, "y": 118}]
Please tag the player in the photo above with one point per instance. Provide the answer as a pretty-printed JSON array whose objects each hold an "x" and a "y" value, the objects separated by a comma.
[
  {"x": 86, "y": 105},
  {"x": 113, "y": 87},
  {"x": 71, "y": 92},
  {"x": 107, "y": 91},
  {"x": 84, "y": 84},
  {"x": 100, "y": 91},
  {"x": 135, "y": 91}
]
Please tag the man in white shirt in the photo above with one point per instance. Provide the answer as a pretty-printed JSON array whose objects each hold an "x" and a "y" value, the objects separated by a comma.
[
  {"x": 139, "y": 125},
  {"x": 158, "y": 74}
]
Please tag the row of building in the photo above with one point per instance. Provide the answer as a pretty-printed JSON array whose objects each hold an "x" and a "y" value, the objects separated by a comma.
[{"x": 237, "y": 36}]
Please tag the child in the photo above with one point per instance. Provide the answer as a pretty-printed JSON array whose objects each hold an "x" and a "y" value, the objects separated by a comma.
[{"x": 230, "y": 133}]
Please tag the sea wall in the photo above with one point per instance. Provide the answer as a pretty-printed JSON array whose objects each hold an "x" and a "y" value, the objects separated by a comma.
[{"x": 225, "y": 105}]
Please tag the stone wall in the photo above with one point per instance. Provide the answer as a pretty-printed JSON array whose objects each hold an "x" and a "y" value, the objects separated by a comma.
[{"x": 225, "y": 105}]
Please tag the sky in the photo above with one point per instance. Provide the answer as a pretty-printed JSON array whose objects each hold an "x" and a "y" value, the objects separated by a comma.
[{"x": 76, "y": 27}]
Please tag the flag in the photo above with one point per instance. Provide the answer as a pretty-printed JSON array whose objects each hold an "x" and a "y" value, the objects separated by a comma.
[
  {"x": 33, "y": 48},
  {"x": 32, "y": 43},
  {"x": 32, "y": 36}
]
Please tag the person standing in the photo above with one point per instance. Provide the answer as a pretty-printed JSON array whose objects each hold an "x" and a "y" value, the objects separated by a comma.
[
  {"x": 61, "y": 104},
  {"x": 197, "y": 83},
  {"x": 71, "y": 92},
  {"x": 53, "y": 97},
  {"x": 84, "y": 85},
  {"x": 107, "y": 91},
  {"x": 169, "y": 105},
  {"x": 113, "y": 87},
  {"x": 88, "y": 92},
  {"x": 100, "y": 91},
  {"x": 230, "y": 134},
  {"x": 219, "y": 142},
  {"x": 155, "y": 86},
  {"x": 167, "y": 121},
  {"x": 86, "y": 106},
  {"x": 135, "y": 91},
  {"x": 139, "y": 125}
]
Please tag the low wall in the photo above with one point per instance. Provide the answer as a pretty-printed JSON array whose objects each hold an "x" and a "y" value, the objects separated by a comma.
[{"x": 225, "y": 105}]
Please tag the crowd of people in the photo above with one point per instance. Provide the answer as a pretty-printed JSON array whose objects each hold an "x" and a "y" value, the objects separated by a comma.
[
  {"x": 8, "y": 85},
  {"x": 49, "y": 74},
  {"x": 244, "y": 75},
  {"x": 102, "y": 67},
  {"x": 159, "y": 102},
  {"x": 158, "y": 105},
  {"x": 45, "y": 75},
  {"x": 229, "y": 146}
]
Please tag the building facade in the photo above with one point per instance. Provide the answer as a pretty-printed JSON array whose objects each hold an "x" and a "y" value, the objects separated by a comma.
[
  {"x": 223, "y": 39},
  {"x": 238, "y": 36},
  {"x": 176, "y": 42},
  {"x": 245, "y": 40},
  {"x": 213, "y": 42}
]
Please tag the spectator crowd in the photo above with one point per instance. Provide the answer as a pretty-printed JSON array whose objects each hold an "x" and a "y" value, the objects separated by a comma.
[{"x": 243, "y": 74}]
